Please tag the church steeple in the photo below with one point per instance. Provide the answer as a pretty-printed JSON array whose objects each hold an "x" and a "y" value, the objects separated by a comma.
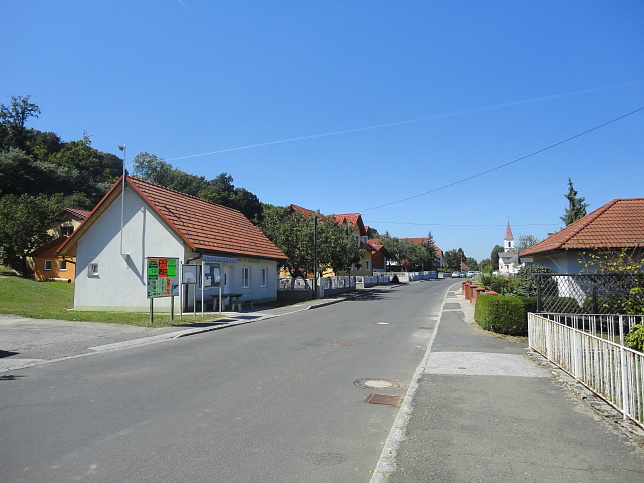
[{"x": 508, "y": 241}]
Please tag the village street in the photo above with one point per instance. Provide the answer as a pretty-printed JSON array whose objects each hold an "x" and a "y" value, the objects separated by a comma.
[{"x": 272, "y": 400}]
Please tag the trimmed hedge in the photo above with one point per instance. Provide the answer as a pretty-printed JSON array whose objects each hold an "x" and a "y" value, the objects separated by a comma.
[{"x": 503, "y": 314}]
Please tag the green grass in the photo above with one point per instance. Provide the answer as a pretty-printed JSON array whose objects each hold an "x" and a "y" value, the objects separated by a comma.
[{"x": 53, "y": 300}]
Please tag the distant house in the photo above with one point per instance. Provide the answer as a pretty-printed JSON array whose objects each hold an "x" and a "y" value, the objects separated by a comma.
[
  {"x": 137, "y": 220},
  {"x": 47, "y": 264},
  {"x": 358, "y": 230},
  {"x": 508, "y": 258},
  {"x": 619, "y": 224},
  {"x": 438, "y": 253}
]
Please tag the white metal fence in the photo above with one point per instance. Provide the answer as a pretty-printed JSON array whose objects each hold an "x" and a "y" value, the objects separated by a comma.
[{"x": 590, "y": 348}]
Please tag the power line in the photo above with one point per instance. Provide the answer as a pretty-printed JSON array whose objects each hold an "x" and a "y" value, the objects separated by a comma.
[
  {"x": 506, "y": 164},
  {"x": 459, "y": 225}
]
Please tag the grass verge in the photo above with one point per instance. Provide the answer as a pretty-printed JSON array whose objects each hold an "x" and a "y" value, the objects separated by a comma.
[{"x": 53, "y": 300}]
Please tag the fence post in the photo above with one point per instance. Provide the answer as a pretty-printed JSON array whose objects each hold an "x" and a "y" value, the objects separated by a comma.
[{"x": 538, "y": 292}]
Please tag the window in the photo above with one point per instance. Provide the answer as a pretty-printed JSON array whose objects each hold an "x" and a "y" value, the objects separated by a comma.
[
  {"x": 367, "y": 265},
  {"x": 62, "y": 265},
  {"x": 245, "y": 277},
  {"x": 66, "y": 230},
  {"x": 92, "y": 269},
  {"x": 264, "y": 277},
  {"x": 47, "y": 265}
]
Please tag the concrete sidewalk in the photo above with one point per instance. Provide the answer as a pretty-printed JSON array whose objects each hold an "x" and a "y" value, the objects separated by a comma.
[
  {"x": 30, "y": 342},
  {"x": 482, "y": 408}
]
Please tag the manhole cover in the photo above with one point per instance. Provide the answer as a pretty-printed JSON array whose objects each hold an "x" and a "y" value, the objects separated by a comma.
[
  {"x": 383, "y": 384},
  {"x": 383, "y": 399},
  {"x": 339, "y": 342}
]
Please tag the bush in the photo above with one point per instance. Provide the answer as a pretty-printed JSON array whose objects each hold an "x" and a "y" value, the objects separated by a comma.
[
  {"x": 502, "y": 314},
  {"x": 635, "y": 338}
]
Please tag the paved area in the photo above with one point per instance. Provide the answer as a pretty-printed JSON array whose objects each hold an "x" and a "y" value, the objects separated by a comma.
[
  {"x": 483, "y": 408},
  {"x": 480, "y": 408},
  {"x": 29, "y": 342}
]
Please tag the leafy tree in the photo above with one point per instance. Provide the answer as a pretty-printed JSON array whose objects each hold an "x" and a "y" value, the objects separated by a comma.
[
  {"x": 452, "y": 259},
  {"x": 472, "y": 263},
  {"x": 337, "y": 249},
  {"x": 525, "y": 241},
  {"x": 24, "y": 222},
  {"x": 486, "y": 265},
  {"x": 222, "y": 191},
  {"x": 576, "y": 206},
  {"x": 12, "y": 121},
  {"x": 152, "y": 168},
  {"x": 494, "y": 256}
]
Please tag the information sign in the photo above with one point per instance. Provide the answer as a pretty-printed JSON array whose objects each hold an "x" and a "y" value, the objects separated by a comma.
[{"x": 162, "y": 277}]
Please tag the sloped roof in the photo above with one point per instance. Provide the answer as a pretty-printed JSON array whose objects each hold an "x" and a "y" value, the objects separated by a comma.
[
  {"x": 618, "y": 223},
  {"x": 351, "y": 219},
  {"x": 202, "y": 225},
  {"x": 508, "y": 233},
  {"x": 78, "y": 213}
]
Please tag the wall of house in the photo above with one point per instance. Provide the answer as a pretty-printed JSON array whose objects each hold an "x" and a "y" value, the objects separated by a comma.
[
  {"x": 561, "y": 262},
  {"x": 120, "y": 283},
  {"x": 62, "y": 271}
]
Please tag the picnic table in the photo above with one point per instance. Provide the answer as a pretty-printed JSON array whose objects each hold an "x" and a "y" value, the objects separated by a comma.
[{"x": 234, "y": 300}]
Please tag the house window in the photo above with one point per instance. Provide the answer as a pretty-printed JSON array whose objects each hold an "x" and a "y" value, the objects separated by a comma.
[
  {"x": 245, "y": 277},
  {"x": 66, "y": 230},
  {"x": 62, "y": 265},
  {"x": 47, "y": 265},
  {"x": 92, "y": 269},
  {"x": 264, "y": 277},
  {"x": 367, "y": 265}
]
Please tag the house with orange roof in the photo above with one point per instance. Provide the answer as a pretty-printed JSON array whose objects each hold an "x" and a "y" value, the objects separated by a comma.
[
  {"x": 356, "y": 229},
  {"x": 438, "y": 253},
  {"x": 47, "y": 264},
  {"x": 215, "y": 248},
  {"x": 617, "y": 225}
]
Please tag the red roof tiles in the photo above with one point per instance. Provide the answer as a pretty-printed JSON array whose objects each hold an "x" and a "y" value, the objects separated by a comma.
[
  {"x": 202, "y": 225},
  {"x": 619, "y": 223}
]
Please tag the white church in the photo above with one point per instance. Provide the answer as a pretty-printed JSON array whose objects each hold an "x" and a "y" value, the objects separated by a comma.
[{"x": 509, "y": 258}]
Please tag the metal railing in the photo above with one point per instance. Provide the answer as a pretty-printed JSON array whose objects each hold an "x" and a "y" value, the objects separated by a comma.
[
  {"x": 590, "y": 348},
  {"x": 595, "y": 293}
]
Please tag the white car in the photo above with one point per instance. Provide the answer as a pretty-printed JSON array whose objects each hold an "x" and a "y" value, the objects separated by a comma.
[{"x": 457, "y": 274}]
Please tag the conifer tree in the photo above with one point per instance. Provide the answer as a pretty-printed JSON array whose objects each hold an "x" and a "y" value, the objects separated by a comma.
[{"x": 576, "y": 206}]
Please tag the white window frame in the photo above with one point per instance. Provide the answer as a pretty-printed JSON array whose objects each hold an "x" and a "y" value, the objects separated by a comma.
[
  {"x": 245, "y": 277},
  {"x": 92, "y": 269},
  {"x": 62, "y": 265},
  {"x": 264, "y": 277},
  {"x": 48, "y": 265}
]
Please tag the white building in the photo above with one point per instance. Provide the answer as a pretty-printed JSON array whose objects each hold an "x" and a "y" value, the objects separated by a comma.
[
  {"x": 137, "y": 220},
  {"x": 508, "y": 259}
]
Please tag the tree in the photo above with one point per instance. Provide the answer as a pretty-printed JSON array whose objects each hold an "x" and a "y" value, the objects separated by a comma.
[
  {"x": 525, "y": 241},
  {"x": 452, "y": 259},
  {"x": 576, "y": 206},
  {"x": 24, "y": 224},
  {"x": 13, "y": 119},
  {"x": 494, "y": 256}
]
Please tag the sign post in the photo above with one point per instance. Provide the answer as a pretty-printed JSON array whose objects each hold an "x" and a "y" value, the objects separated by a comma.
[{"x": 162, "y": 281}]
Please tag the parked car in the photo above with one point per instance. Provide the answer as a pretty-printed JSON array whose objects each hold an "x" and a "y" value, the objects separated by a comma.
[
  {"x": 471, "y": 273},
  {"x": 457, "y": 274}
]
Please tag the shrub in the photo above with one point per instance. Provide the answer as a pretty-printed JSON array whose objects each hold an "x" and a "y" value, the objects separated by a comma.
[
  {"x": 635, "y": 338},
  {"x": 502, "y": 314},
  {"x": 526, "y": 280}
]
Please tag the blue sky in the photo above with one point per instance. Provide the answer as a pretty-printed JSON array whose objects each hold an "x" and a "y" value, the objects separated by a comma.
[{"x": 353, "y": 106}]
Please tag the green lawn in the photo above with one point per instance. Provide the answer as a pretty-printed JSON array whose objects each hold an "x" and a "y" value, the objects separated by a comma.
[{"x": 52, "y": 300}]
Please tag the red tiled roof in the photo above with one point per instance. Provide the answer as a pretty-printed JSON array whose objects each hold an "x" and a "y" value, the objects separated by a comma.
[
  {"x": 508, "y": 233},
  {"x": 79, "y": 213},
  {"x": 350, "y": 218},
  {"x": 202, "y": 225},
  {"x": 619, "y": 223}
]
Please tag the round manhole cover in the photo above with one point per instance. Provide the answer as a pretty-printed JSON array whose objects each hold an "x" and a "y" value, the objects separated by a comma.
[{"x": 382, "y": 384}]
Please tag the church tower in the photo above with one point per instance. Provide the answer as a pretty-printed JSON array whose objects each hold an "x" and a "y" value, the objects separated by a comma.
[{"x": 508, "y": 241}]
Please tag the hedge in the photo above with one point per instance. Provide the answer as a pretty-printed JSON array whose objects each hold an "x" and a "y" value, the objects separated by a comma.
[{"x": 503, "y": 314}]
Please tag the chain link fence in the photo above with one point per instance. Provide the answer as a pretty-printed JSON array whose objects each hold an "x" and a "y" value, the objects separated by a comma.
[{"x": 592, "y": 293}]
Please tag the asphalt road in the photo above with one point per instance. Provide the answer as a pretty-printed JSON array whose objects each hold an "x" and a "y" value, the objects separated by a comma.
[{"x": 268, "y": 401}]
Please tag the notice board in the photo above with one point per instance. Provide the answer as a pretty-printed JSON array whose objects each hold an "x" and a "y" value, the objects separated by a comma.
[{"x": 163, "y": 280}]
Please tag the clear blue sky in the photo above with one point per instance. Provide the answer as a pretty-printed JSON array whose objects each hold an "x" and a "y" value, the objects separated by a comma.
[{"x": 345, "y": 106}]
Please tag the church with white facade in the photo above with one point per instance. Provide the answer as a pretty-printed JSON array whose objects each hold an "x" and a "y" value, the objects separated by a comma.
[{"x": 509, "y": 258}]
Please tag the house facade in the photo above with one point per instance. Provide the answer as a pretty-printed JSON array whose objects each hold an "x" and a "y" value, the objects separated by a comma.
[
  {"x": 47, "y": 264},
  {"x": 358, "y": 231},
  {"x": 138, "y": 220},
  {"x": 584, "y": 244}
]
